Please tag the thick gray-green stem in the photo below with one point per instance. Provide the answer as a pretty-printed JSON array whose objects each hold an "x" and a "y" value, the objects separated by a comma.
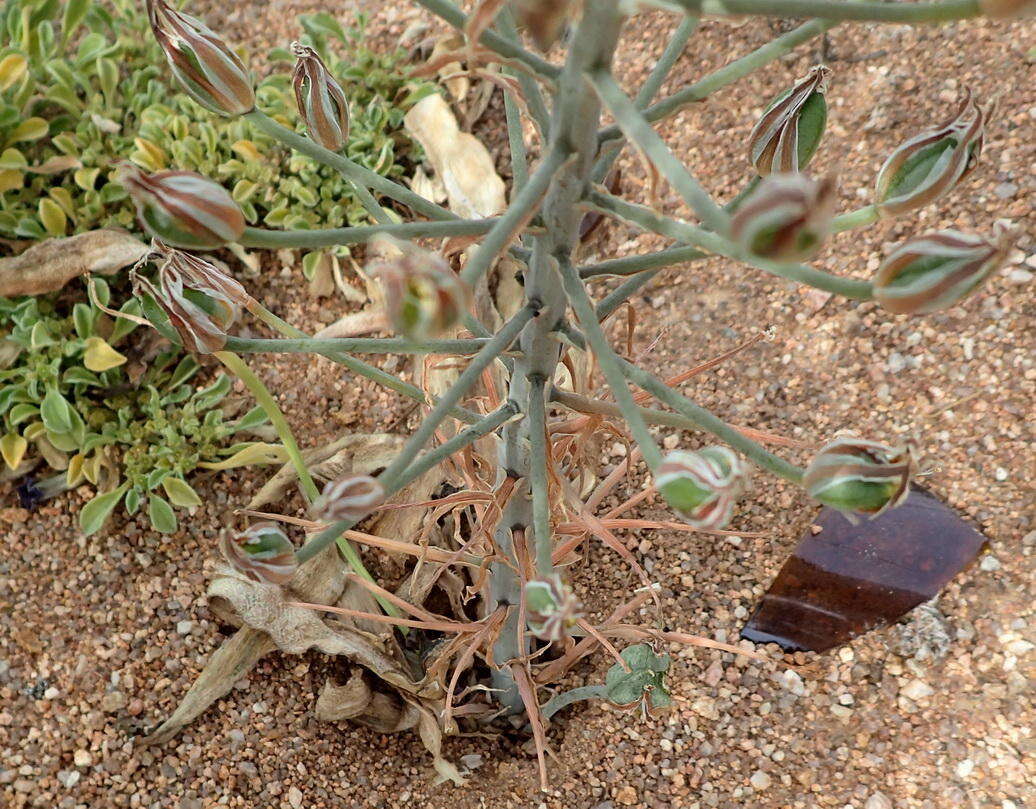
[{"x": 573, "y": 133}]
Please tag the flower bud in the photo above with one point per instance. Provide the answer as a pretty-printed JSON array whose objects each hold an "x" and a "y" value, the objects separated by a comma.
[
  {"x": 182, "y": 278},
  {"x": 855, "y": 475},
  {"x": 786, "y": 137},
  {"x": 322, "y": 104},
  {"x": 182, "y": 208},
  {"x": 787, "y": 218},
  {"x": 262, "y": 553},
  {"x": 423, "y": 296},
  {"x": 1007, "y": 8},
  {"x": 350, "y": 498},
  {"x": 543, "y": 19},
  {"x": 551, "y": 608},
  {"x": 703, "y": 486},
  {"x": 931, "y": 163},
  {"x": 209, "y": 71},
  {"x": 936, "y": 270}
]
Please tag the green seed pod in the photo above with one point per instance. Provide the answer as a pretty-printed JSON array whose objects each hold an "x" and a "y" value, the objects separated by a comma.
[
  {"x": 703, "y": 486},
  {"x": 209, "y": 71},
  {"x": 182, "y": 278},
  {"x": 182, "y": 208},
  {"x": 322, "y": 103},
  {"x": 933, "y": 162},
  {"x": 261, "y": 553},
  {"x": 786, "y": 218},
  {"x": 423, "y": 296},
  {"x": 856, "y": 475},
  {"x": 936, "y": 270},
  {"x": 350, "y": 498},
  {"x": 787, "y": 136},
  {"x": 551, "y": 608}
]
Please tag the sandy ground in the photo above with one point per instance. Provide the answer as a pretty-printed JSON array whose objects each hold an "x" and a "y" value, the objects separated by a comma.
[{"x": 100, "y": 637}]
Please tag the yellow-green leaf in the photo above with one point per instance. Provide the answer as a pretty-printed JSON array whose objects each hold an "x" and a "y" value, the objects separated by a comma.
[
  {"x": 247, "y": 150},
  {"x": 86, "y": 178},
  {"x": 257, "y": 453},
  {"x": 12, "y": 159},
  {"x": 74, "y": 476},
  {"x": 180, "y": 492},
  {"x": 149, "y": 155},
  {"x": 53, "y": 218},
  {"x": 10, "y": 179},
  {"x": 12, "y": 68},
  {"x": 29, "y": 129},
  {"x": 12, "y": 448},
  {"x": 63, "y": 197},
  {"x": 99, "y": 356}
]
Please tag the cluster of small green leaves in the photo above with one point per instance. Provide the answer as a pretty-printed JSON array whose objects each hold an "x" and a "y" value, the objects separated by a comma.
[
  {"x": 66, "y": 396},
  {"x": 83, "y": 84}
]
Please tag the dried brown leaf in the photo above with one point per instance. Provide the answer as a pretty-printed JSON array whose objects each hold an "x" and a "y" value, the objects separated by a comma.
[{"x": 49, "y": 265}]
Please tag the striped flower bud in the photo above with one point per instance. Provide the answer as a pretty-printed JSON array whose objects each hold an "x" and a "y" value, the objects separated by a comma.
[
  {"x": 182, "y": 208},
  {"x": 551, "y": 608},
  {"x": 350, "y": 498},
  {"x": 200, "y": 300},
  {"x": 786, "y": 218},
  {"x": 703, "y": 486},
  {"x": 855, "y": 475},
  {"x": 933, "y": 162},
  {"x": 322, "y": 104},
  {"x": 208, "y": 70},
  {"x": 423, "y": 296},
  {"x": 936, "y": 270},
  {"x": 786, "y": 137},
  {"x": 261, "y": 553}
]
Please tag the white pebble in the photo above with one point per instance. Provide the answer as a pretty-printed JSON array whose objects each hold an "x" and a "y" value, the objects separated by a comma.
[
  {"x": 917, "y": 690},
  {"x": 760, "y": 780},
  {"x": 965, "y": 768},
  {"x": 878, "y": 801}
]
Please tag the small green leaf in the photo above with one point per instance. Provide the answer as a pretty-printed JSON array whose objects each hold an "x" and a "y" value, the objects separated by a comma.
[
  {"x": 54, "y": 220},
  {"x": 56, "y": 412},
  {"x": 255, "y": 417},
  {"x": 132, "y": 501},
  {"x": 84, "y": 317},
  {"x": 257, "y": 453},
  {"x": 12, "y": 68},
  {"x": 163, "y": 519},
  {"x": 180, "y": 492},
  {"x": 29, "y": 130},
  {"x": 95, "y": 513},
  {"x": 75, "y": 11}
]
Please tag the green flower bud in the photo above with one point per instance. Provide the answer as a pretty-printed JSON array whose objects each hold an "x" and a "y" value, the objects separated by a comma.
[
  {"x": 703, "y": 486},
  {"x": 182, "y": 208},
  {"x": 261, "y": 553},
  {"x": 350, "y": 498},
  {"x": 786, "y": 137},
  {"x": 856, "y": 475},
  {"x": 932, "y": 163},
  {"x": 322, "y": 104},
  {"x": 936, "y": 270},
  {"x": 551, "y": 608},
  {"x": 423, "y": 296},
  {"x": 208, "y": 70},
  {"x": 201, "y": 301},
  {"x": 786, "y": 218}
]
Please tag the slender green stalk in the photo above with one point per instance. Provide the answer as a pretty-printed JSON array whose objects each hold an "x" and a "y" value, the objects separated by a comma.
[
  {"x": 633, "y": 265},
  {"x": 538, "y": 479},
  {"x": 255, "y": 386},
  {"x": 730, "y": 73},
  {"x": 328, "y": 346},
  {"x": 649, "y": 89},
  {"x": 711, "y": 423},
  {"x": 492, "y": 40},
  {"x": 521, "y": 209},
  {"x": 485, "y": 426},
  {"x": 516, "y": 144},
  {"x": 328, "y": 237},
  {"x": 640, "y": 132},
  {"x": 686, "y": 232},
  {"x": 529, "y": 85},
  {"x": 869, "y": 10},
  {"x": 360, "y": 367},
  {"x": 866, "y": 215},
  {"x": 623, "y": 292},
  {"x": 349, "y": 169},
  {"x": 611, "y": 364},
  {"x": 565, "y": 698},
  {"x": 468, "y": 377}
]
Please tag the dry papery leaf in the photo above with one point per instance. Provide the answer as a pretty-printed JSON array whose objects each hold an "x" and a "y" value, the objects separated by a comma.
[
  {"x": 49, "y": 265},
  {"x": 473, "y": 188}
]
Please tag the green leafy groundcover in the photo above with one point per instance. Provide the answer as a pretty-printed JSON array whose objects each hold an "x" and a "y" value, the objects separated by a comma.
[
  {"x": 83, "y": 85},
  {"x": 67, "y": 396}
]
